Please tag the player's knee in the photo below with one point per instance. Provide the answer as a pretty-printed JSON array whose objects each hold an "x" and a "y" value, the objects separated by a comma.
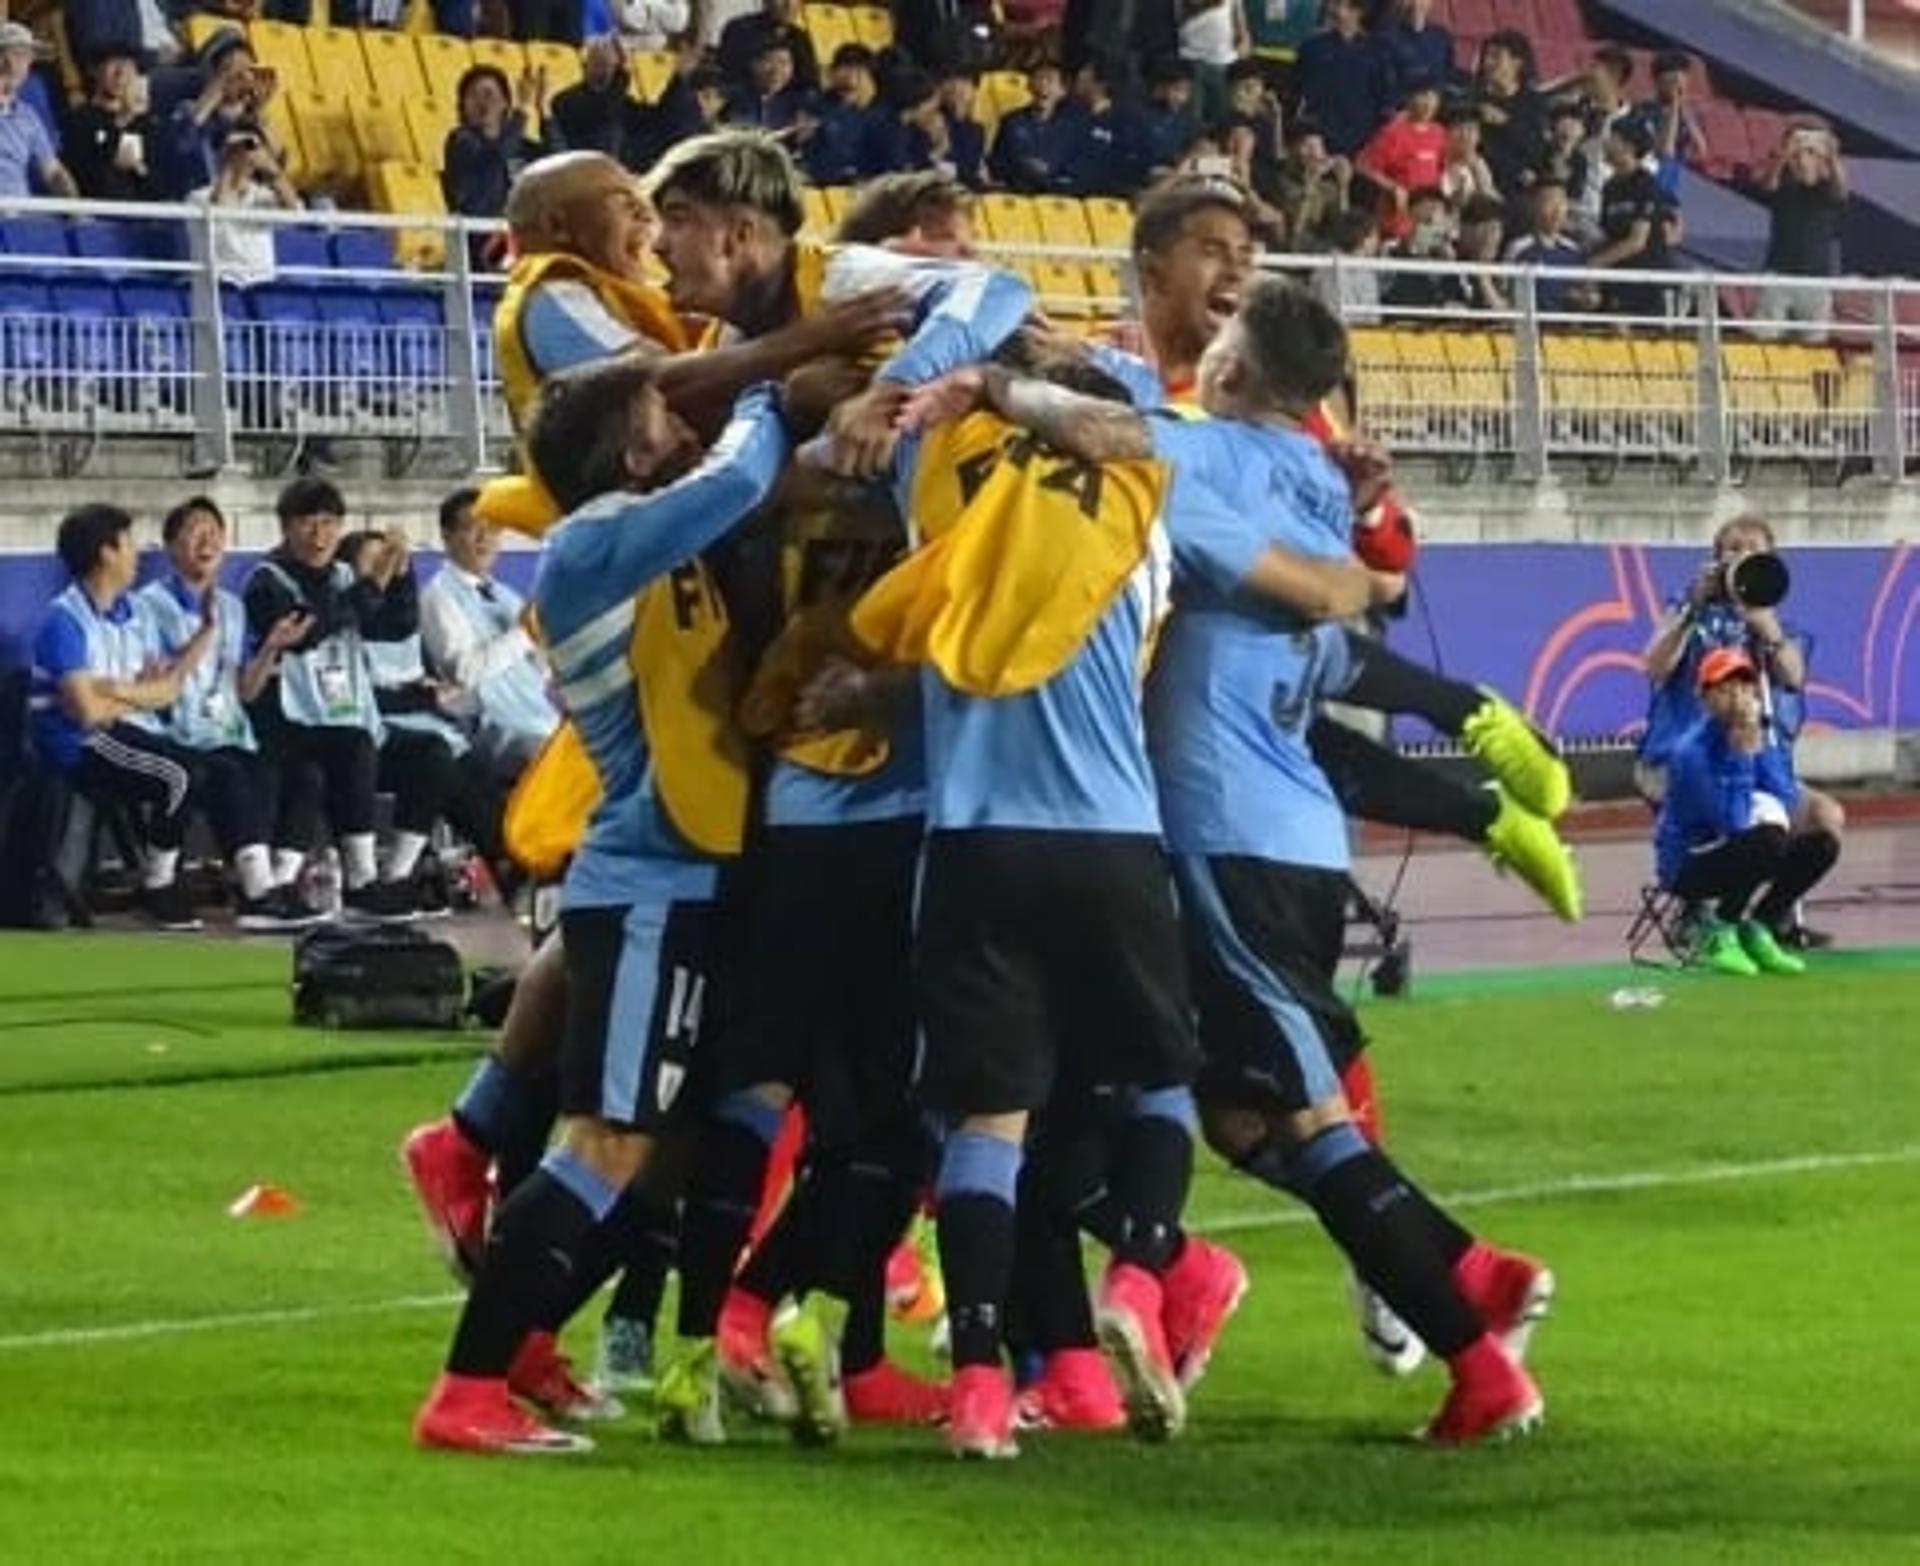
[
  {"x": 1234, "y": 1132},
  {"x": 616, "y": 1154}
]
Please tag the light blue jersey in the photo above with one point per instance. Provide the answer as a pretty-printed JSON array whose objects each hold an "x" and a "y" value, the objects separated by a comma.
[
  {"x": 798, "y": 796},
  {"x": 1281, "y": 481},
  {"x": 209, "y": 714},
  {"x": 594, "y": 564},
  {"x": 76, "y": 637},
  {"x": 564, "y": 324}
]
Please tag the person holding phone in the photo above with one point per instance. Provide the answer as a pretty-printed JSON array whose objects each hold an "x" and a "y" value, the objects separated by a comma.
[
  {"x": 249, "y": 177},
  {"x": 234, "y": 93},
  {"x": 112, "y": 140}
]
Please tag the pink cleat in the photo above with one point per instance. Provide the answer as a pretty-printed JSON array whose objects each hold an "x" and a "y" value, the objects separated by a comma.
[
  {"x": 1492, "y": 1398},
  {"x": 475, "y": 1414},
  {"x": 1202, "y": 1289},
  {"x": 1128, "y": 1319},
  {"x": 1511, "y": 1293},
  {"x": 1074, "y": 1392},
  {"x": 747, "y": 1367},
  {"x": 542, "y": 1375},
  {"x": 452, "y": 1178},
  {"x": 980, "y": 1420},
  {"x": 884, "y": 1394}
]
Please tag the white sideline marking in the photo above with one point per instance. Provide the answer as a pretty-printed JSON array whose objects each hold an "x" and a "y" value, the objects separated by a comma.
[
  {"x": 1272, "y": 1218},
  {"x": 1585, "y": 1185}
]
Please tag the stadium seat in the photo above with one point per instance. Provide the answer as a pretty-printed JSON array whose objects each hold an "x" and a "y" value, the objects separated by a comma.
[
  {"x": 443, "y": 61},
  {"x": 34, "y": 236},
  {"x": 301, "y": 250},
  {"x": 506, "y": 55},
  {"x": 829, "y": 27},
  {"x": 380, "y": 130},
  {"x": 109, "y": 240},
  {"x": 1518, "y": 15},
  {"x": 1108, "y": 288},
  {"x": 429, "y": 121},
  {"x": 332, "y": 152},
  {"x": 411, "y": 187},
  {"x": 1062, "y": 220},
  {"x": 338, "y": 62},
  {"x": 872, "y": 25},
  {"x": 26, "y": 336},
  {"x": 276, "y": 117},
  {"x": 160, "y": 318},
  {"x": 282, "y": 46},
  {"x": 1061, "y": 287},
  {"x": 417, "y": 333},
  {"x": 1766, "y": 129},
  {"x": 561, "y": 63},
  {"x": 1561, "y": 19},
  {"x": 1560, "y": 58},
  {"x": 1001, "y": 92},
  {"x": 202, "y": 28},
  {"x": 362, "y": 250},
  {"x": 1474, "y": 18},
  {"x": 89, "y": 339},
  {"x": 1110, "y": 221},
  {"x": 1009, "y": 219},
  {"x": 393, "y": 65},
  {"x": 1728, "y": 142},
  {"x": 651, "y": 71},
  {"x": 820, "y": 219}
]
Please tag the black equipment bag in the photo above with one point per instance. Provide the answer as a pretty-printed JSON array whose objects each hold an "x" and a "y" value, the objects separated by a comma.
[{"x": 376, "y": 976}]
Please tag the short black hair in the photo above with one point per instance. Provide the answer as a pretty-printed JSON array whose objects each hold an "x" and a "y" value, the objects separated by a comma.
[
  {"x": 1294, "y": 344},
  {"x": 773, "y": 43},
  {"x": 909, "y": 88},
  {"x": 577, "y": 432},
  {"x": 852, "y": 54},
  {"x": 1510, "y": 41},
  {"x": 307, "y": 497},
  {"x": 1671, "y": 61},
  {"x": 479, "y": 73},
  {"x": 1483, "y": 209},
  {"x": 1246, "y": 70},
  {"x": 1459, "y": 113},
  {"x": 1427, "y": 193},
  {"x": 85, "y": 535},
  {"x": 1567, "y": 109},
  {"x": 1300, "y": 127},
  {"x": 1618, "y": 62},
  {"x": 1167, "y": 70},
  {"x": 958, "y": 71},
  {"x": 455, "y": 507},
  {"x": 1352, "y": 226},
  {"x": 1162, "y": 212},
  {"x": 1634, "y": 133},
  {"x": 176, "y": 519}
]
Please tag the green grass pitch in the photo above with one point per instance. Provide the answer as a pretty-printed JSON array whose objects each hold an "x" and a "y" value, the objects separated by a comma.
[{"x": 1726, "y": 1186}]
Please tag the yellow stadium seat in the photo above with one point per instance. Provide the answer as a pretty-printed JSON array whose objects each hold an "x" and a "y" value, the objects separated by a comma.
[
  {"x": 1377, "y": 368},
  {"x": 1477, "y": 373},
  {"x": 838, "y": 199},
  {"x": 1006, "y": 90},
  {"x": 1009, "y": 219},
  {"x": 411, "y": 187},
  {"x": 652, "y": 73},
  {"x": 443, "y": 61},
  {"x": 283, "y": 47},
  {"x": 561, "y": 64},
  {"x": 1665, "y": 378},
  {"x": 202, "y": 29},
  {"x": 380, "y": 129},
  {"x": 428, "y": 122},
  {"x": 1110, "y": 221},
  {"x": 1571, "y": 385},
  {"x": 339, "y": 63},
  {"x": 420, "y": 18},
  {"x": 1425, "y": 370},
  {"x": 820, "y": 222},
  {"x": 503, "y": 54},
  {"x": 1063, "y": 220},
  {"x": 1108, "y": 287},
  {"x": 1750, "y": 385},
  {"x": 872, "y": 25},
  {"x": 393, "y": 65},
  {"x": 276, "y": 118},
  {"x": 829, "y": 26},
  {"x": 326, "y": 136},
  {"x": 1061, "y": 287}
]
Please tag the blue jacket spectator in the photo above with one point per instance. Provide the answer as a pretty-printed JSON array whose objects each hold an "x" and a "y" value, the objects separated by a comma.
[
  {"x": 966, "y": 136},
  {"x": 1420, "y": 48},
  {"x": 1549, "y": 247},
  {"x": 844, "y": 119},
  {"x": 909, "y": 133},
  {"x": 1167, "y": 125},
  {"x": 232, "y": 90},
  {"x": 774, "y": 100},
  {"x": 1103, "y": 153},
  {"x": 742, "y": 40},
  {"x": 1346, "y": 80},
  {"x": 1711, "y": 786},
  {"x": 1030, "y": 148}
]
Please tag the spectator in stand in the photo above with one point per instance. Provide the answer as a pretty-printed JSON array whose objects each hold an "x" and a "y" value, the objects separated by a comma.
[
  {"x": 140, "y": 25},
  {"x": 1806, "y": 186},
  {"x": 910, "y": 134},
  {"x": 1547, "y": 247},
  {"x": 19, "y": 48},
  {"x": 1277, "y": 28},
  {"x": 1481, "y": 238},
  {"x": 597, "y": 113},
  {"x": 1670, "y": 120},
  {"x": 549, "y": 21},
  {"x": 1566, "y": 162},
  {"x": 778, "y": 22},
  {"x": 1102, "y": 156},
  {"x": 937, "y": 33},
  {"x": 773, "y": 100},
  {"x": 1605, "y": 87},
  {"x": 1408, "y": 153},
  {"x": 1345, "y": 79},
  {"x": 27, "y": 157},
  {"x": 1213, "y": 34},
  {"x": 315, "y": 715},
  {"x": 1167, "y": 123},
  {"x": 1420, "y": 49},
  {"x": 1513, "y": 118},
  {"x": 1633, "y": 233},
  {"x": 650, "y": 24},
  {"x": 1031, "y": 144},
  {"x": 491, "y": 145},
  {"x": 1355, "y": 295},
  {"x": 234, "y": 91},
  {"x": 208, "y": 721},
  {"x": 1253, "y": 107},
  {"x": 473, "y": 633},
  {"x": 249, "y": 179},
  {"x": 1314, "y": 188},
  {"x": 1429, "y": 237},
  {"x": 712, "y": 18},
  {"x": 1466, "y": 174},
  {"x": 843, "y": 121},
  {"x": 99, "y": 692},
  {"x": 966, "y": 136},
  {"x": 692, "y": 104},
  {"x": 110, "y": 138}
]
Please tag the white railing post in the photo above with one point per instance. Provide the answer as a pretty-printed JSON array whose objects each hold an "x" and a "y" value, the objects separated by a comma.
[
  {"x": 1889, "y": 425},
  {"x": 1529, "y": 383},
  {"x": 212, "y": 414},
  {"x": 465, "y": 416},
  {"x": 1710, "y": 389}
]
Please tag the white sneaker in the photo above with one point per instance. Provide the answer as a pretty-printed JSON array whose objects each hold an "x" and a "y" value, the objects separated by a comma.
[{"x": 1393, "y": 1347}]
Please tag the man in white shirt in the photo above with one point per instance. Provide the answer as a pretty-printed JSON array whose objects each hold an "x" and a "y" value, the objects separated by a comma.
[
  {"x": 250, "y": 178},
  {"x": 475, "y": 642}
]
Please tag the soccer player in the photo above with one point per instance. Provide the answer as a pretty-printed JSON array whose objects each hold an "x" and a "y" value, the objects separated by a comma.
[
  {"x": 1263, "y": 888},
  {"x": 637, "y": 903}
]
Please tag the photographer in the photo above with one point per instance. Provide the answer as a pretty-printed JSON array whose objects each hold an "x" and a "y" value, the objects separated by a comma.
[
  {"x": 1714, "y": 614},
  {"x": 249, "y": 178},
  {"x": 1806, "y": 186}
]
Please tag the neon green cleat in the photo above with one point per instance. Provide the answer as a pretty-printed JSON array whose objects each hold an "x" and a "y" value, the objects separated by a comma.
[
  {"x": 1765, "y": 952},
  {"x": 1520, "y": 841},
  {"x": 810, "y": 1356},
  {"x": 688, "y": 1402},
  {"x": 1520, "y": 758},
  {"x": 1721, "y": 950}
]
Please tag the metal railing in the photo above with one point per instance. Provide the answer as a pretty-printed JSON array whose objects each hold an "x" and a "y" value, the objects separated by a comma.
[{"x": 114, "y": 324}]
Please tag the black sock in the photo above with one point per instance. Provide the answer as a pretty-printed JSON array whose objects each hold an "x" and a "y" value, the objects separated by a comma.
[
  {"x": 650, "y": 1241},
  {"x": 776, "y": 1267},
  {"x": 1449, "y": 1239},
  {"x": 730, "y": 1168},
  {"x": 1050, "y": 1307},
  {"x": 1387, "y": 682},
  {"x": 538, "y": 1235},
  {"x": 1808, "y": 856},
  {"x": 1152, "y": 1169},
  {"x": 519, "y": 1153},
  {"x": 1372, "y": 1212},
  {"x": 976, "y": 1257},
  {"x": 1379, "y": 784}
]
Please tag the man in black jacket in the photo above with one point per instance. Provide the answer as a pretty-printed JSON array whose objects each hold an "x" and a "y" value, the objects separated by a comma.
[{"x": 597, "y": 114}]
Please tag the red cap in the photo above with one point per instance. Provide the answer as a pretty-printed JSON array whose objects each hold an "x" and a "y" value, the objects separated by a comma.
[{"x": 1725, "y": 663}]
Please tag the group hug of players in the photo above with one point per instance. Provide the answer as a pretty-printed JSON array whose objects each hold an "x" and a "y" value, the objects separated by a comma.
[{"x": 943, "y": 757}]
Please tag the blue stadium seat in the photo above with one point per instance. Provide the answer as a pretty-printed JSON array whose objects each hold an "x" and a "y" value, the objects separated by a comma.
[
  {"x": 363, "y": 250},
  {"x": 304, "y": 249},
  {"x": 107, "y": 239},
  {"x": 89, "y": 337},
  {"x": 160, "y": 317},
  {"x": 26, "y": 338},
  {"x": 34, "y": 236},
  {"x": 416, "y": 334},
  {"x": 288, "y": 320},
  {"x": 355, "y": 335}
]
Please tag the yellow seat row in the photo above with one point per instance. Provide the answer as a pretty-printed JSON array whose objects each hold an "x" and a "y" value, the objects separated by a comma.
[{"x": 830, "y": 26}]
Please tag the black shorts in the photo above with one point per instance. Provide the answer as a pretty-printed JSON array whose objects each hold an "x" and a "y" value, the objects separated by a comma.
[
  {"x": 1265, "y": 941},
  {"x": 1044, "y": 956},
  {"x": 637, "y": 979},
  {"x": 824, "y": 1000}
]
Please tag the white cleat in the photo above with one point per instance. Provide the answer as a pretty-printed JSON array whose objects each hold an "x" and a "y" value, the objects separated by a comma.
[{"x": 1389, "y": 1343}]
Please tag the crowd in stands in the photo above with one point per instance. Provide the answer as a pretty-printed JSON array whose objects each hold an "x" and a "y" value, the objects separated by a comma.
[
  {"x": 1348, "y": 118},
  {"x": 287, "y": 707}
]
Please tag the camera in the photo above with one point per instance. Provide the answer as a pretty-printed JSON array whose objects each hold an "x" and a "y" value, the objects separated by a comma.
[{"x": 1756, "y": 581}]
